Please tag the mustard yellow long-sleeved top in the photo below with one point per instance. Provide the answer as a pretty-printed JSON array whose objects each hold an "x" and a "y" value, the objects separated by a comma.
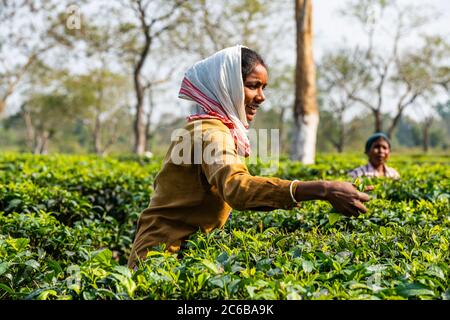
[{"x": 199, "y": 193}]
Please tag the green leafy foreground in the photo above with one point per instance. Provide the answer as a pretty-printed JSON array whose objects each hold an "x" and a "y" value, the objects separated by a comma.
[{"x": 67, "y": 224}]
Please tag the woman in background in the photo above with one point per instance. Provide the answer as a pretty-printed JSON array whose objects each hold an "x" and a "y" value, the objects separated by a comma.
[{"x": 378, "y": 150}]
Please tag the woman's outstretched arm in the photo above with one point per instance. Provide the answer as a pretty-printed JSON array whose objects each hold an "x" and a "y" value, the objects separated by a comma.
[{"x": 343, "y": 196}]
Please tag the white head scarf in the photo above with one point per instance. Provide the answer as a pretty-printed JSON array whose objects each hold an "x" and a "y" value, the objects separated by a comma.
[{"x": 216, "y": 85}]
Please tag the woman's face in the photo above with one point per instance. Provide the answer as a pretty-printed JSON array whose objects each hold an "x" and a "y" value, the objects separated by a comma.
[
  {"x": 254, "y": 85},
  {"x": 379, "y": 152}
]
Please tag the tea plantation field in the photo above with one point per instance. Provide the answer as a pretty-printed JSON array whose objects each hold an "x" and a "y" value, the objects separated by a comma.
[{"x": 67, "y": 224}]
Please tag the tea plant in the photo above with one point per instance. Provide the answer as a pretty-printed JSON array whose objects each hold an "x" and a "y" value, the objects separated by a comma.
[{"x": 67, "y": 224}]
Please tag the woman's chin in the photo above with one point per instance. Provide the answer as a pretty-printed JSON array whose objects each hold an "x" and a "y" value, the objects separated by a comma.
[
  {"x": 250, "y": 117},
  {"x": 377, "y": 162}
]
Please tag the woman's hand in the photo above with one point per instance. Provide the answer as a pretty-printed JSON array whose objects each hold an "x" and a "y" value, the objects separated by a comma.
[{"x": 345, "y": 198}]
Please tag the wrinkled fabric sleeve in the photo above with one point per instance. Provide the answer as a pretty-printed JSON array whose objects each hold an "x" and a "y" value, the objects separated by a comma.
[{"x": 228, "y": 173}]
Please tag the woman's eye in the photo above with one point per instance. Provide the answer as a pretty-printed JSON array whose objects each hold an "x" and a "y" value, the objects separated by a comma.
[{"x": 255, "y": 86}]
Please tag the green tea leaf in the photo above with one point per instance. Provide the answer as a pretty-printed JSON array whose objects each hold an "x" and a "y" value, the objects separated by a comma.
[
  {"x": 103, "y": 256},
  {"x": 33, "y": 264},
  {"x": 13, "y": 204},
  {"x": 307, "y": 266},
  {"x": 3, "y": 267},
  {"x": 414, "y": 289},
  {"x": 210, "y": 265},
  {"x": 333, "y": 218},
  {"x": 44, "y": 295},
  {"x": 6, "y": 288}
]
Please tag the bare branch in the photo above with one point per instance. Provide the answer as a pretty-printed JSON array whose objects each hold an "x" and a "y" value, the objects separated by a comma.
[
  {"x": 166, "y": 16},
  {"x": 352, "y": 96}
]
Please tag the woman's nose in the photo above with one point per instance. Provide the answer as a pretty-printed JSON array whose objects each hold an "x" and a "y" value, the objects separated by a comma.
[{"x": 261, "y": 97}]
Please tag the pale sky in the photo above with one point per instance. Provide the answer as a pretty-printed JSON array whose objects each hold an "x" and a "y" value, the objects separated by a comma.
[
  {"x": 330, "y": 27},
  {"x": 331, "y": 30}
]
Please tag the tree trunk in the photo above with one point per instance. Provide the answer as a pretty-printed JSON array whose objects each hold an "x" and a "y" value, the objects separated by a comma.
[
  {"x": 425, "y": 132},
  {"x": 2, "y": 106},
  {"x": 31, "y": 136},
  {"x": 148, "y": 24},
  {"x": 378, "y": 120},
  {"x": 394, "y": 123},
  {"x": 45, "y": 138},
  {"x": 41, "y": 146},
  {"x": 340, "y": 148},
  {"x": 148, "y": 124},
  {"x": 306, "y": 113},
  {"x": 281, "y": 126},
  {"x": 139, "y": 126},
  {"x": 425, "y": 138},
  {"x": 97, "y": 135},
  {"x": 112, "y": 139},
  {"x": 400, "y": 108},
  {"x": 341, "y": 138}
]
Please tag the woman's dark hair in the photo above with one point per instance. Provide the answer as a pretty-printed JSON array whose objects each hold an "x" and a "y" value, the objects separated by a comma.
[
  {"x": 375, "y": 137},
  {"x": 249, "y": 60}
]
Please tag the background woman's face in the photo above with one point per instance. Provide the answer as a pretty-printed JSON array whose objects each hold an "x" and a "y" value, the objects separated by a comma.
[
  {"x": 254, "y": 85},
  {"x": 379, "y": 152}
]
